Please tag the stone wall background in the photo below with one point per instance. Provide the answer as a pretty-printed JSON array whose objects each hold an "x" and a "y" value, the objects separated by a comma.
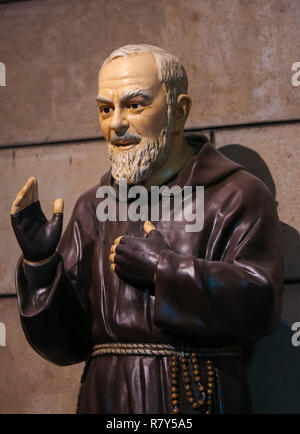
[{"x": 238, "y": 57}]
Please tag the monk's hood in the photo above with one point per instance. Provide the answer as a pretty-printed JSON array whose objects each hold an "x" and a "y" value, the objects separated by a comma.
[{"x": 206, "y": 167}]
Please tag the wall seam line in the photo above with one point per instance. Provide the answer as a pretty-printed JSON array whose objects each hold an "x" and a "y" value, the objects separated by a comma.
[{"x": 187, "y": 130}]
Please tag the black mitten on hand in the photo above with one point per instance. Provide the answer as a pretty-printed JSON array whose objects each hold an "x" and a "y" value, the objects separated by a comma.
[
  {"x": 37, "y": 237},
  {"x": 136, "y": 258}
]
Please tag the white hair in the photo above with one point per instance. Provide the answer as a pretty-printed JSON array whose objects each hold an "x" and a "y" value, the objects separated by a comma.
[
  {"x": 137, "y": 164},
  {"x": 170, "y": 71}
]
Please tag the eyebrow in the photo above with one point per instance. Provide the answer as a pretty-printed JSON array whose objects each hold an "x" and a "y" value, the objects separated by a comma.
[
  {"x": 126, "y": 95},
  {"x": 101, "y": 98},
  {"x": 133, "y": 94}
]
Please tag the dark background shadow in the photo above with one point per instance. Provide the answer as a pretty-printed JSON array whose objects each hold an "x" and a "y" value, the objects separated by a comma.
[{"x": 273, "y": 364}]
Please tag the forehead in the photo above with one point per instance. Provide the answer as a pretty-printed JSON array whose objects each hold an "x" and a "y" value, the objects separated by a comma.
[{"x": 134, "y": 72}]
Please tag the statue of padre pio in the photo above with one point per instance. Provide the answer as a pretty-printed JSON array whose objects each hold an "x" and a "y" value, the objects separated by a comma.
[{"x": 161, "y": 315}]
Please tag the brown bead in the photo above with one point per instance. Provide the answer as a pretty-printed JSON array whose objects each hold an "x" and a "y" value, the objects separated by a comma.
[
  {"x": 174, "y": 389},
  {"x": 197, "y": 372},
  {"x": 202, "y": 388},
  {"x": 194, "y": 360},
  {"x": 174, "y": 369},
  {"x": 196, "y": 366},
  {"x": 187, "y": 380},
  {"x": 210, "y": 384},
  {"x": 198, "y": 378},
  {"x": 209, "y": 402},
  {"x": 174, "y": 375},
  {"x": 189, "y": 393},
  {"x": 187, "y": 387},
  {"x": 184, "y": 360},
  {"x": 174, "y": 382},
  {"x": 209, "y": 391},
  {"x": 174, "y": 358},
  {"x": 186, "y": 374},
  {"x": 191, "y": 399},
  {"x": 174, "y": 363},
  {"x": 175, "y": 402},
  {"x": 210, "y": 372},
  {"x": 207, "y": 412},
  {"x": 195, "y": 405},
  {"x": 201, "y": 402},
  {"x": 175, "y": 410},
  {"x": 194, "y": 354},
  {"x": 185, "y": 367},
  {"x": 174, "y": 395},
  {"x": 208, "y": 361}
]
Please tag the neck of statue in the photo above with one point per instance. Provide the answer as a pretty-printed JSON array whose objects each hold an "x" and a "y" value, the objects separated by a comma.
[{"x": 180, "y": 153}]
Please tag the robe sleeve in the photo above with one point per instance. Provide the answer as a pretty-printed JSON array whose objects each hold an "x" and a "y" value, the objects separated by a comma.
[
  {"x": 53, "y": 308},
  {"x": 236, "y": 298}
]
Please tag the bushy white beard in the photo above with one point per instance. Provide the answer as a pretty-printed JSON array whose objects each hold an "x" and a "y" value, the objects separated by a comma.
[{"x": 136, "y": 164}]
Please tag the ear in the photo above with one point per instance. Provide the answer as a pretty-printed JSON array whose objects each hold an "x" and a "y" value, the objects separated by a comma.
[{"x": 183, "y": 108}]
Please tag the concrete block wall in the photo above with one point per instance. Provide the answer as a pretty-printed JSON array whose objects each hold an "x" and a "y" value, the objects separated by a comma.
[{"x": 238, "y": 56}]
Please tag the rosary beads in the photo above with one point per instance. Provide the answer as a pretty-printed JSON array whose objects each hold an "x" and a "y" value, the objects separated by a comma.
[{"x": 205, "y": 387}]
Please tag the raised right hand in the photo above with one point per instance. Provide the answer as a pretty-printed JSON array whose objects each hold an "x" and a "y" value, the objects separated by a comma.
[{"x": 37, "y": 237}]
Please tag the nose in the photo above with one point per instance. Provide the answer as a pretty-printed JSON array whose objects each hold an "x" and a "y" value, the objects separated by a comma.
[{"x": 119, "y": 124}]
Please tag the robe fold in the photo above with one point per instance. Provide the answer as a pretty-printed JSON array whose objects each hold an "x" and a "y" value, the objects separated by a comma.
[{"x": 221, "y": 286}]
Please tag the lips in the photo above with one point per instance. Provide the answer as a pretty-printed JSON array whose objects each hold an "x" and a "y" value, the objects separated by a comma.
[{"x": 126, "y": 144}]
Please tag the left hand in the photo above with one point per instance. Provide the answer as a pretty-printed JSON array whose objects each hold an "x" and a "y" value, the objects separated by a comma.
[{"x": 134, "y": 259}]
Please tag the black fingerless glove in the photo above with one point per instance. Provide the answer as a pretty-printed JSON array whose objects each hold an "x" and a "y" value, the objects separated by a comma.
[
  {"x": 136, "y": 258},
  {"x": 37, "y": 237}
]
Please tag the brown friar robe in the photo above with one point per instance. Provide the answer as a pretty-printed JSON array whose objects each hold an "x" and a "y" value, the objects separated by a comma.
[{"x": 217, "y": 287}]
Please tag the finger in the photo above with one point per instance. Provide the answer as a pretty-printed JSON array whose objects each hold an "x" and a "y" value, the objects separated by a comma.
[
  {"x": 28, "y": 187},
  {"x": 123, "y": 256},
  {"x": 148, "y": 227},
  {"x": 27, "y": 191},
  {"x": 113, "y": 248},
  {"x": 18, "y": 200},
  {"x": 25, "y": 196},
  {"x": 14, "y": 208},
  {"x": 117, "y": 240},
  {"x": 58, "y": 206}
]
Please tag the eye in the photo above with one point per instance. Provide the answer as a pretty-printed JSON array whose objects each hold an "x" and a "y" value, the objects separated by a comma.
[
  {"x": 106, "y": 110},
  {"x": 135, "y": 105}
]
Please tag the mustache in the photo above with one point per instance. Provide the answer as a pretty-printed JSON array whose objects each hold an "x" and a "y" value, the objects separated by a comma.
[{"x": 114, "y": 140}]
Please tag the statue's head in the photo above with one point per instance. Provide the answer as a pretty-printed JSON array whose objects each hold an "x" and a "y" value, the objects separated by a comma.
[{"x": 143, "y": 105}]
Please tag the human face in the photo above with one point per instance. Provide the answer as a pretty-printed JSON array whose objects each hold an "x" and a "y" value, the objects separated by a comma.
[
  {"x": 131, "y": 100},
  {"x": 133, "y": 117}
]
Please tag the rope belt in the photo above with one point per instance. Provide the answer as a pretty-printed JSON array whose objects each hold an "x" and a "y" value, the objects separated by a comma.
[
  {"x": 154, "y": 349},
  {"x": 193, "y": 371}
]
